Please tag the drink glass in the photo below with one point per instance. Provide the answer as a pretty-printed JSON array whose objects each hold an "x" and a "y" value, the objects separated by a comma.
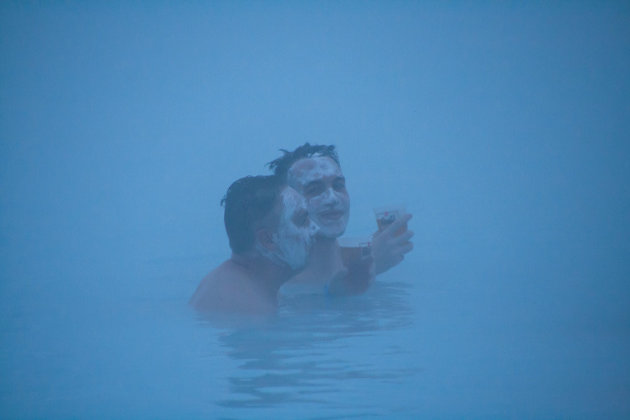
[
  {"x": 386, "y": 215},
  {"x": 354, "y": 250}
]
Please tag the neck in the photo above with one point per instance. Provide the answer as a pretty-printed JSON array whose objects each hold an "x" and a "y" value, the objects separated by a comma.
[
  {"x": 264, "y": 275},
  {"x": 324, "y": 244}
]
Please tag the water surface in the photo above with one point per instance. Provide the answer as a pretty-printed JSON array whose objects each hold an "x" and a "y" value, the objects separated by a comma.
[{"x": 502, "y": 127}]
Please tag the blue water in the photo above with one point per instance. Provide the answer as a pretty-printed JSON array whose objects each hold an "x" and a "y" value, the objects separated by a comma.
[
  {"x": 502, "y": 128},
  {"x": 443, "y": 345}
]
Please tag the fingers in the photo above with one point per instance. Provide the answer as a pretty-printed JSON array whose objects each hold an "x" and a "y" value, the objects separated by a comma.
[
  {"x": 398, "y": 223},
  {"x": 403, "y": 249},
  {"x": 402, "y": 238}
]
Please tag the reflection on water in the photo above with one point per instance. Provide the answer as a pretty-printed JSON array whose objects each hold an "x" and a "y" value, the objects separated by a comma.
[{"x": 308, "y": 354}]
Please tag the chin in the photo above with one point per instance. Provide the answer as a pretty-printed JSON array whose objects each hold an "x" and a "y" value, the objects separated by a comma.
[
  {"x": 296, "y": 266},
  {"x": 331, "y": 232},
  {"x": 296, "y": 261}
]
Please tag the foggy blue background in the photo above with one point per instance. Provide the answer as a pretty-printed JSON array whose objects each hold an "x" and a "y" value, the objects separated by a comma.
[{"x": 503, "y": 127}]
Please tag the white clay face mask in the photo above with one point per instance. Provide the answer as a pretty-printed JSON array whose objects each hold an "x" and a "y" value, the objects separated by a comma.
[
  {"x": 328, "y": 205},
  {"x": 294, "y": 242},
  {"x": 312, "y": 169}
]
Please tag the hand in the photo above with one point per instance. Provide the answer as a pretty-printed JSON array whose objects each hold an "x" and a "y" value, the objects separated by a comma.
[{"x": 389, "y": 245}]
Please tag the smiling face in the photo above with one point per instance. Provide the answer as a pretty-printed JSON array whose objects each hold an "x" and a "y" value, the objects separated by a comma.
[
  {"x": 321, "y": 182},
  {"x": 295, "y": 231}
]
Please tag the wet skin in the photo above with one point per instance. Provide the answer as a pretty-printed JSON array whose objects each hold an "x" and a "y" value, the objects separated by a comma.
[
  {"x": 248, "y": 283},
  {"x": 320, "y": 180},
  {"x": 295, "y": 230}
]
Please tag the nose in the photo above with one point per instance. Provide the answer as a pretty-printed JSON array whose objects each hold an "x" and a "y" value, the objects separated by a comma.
[{"x": 330, "y": 197}]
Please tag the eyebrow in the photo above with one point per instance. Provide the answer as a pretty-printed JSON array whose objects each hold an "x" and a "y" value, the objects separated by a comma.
[{"x": 316, "y": 181}]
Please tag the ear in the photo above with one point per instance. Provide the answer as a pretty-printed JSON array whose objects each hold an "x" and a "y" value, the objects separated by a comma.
[{"x": 265, "y": 238}]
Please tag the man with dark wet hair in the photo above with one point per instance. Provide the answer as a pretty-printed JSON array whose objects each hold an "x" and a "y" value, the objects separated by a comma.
[
  {"x": 270, "y": 236},
  {"x": 314, "y": 171}
]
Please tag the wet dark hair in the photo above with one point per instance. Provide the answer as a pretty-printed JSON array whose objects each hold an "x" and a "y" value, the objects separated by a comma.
[
  {"x": 247, "y": 202},
  {"x": 281, "y": 166}
]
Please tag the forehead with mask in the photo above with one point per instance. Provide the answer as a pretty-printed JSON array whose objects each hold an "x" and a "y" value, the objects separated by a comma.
[{"x": 320, "y": 181}]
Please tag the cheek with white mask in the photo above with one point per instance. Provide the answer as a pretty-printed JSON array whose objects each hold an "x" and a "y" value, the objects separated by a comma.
[
  {"x": 330, "y": 210},
  {"x": 294, "y": 245},
  {"x": 293, "y": 242}
]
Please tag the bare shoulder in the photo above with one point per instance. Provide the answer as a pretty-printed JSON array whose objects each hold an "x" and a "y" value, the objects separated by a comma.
[
  {"x": 227, "y": 289},
  {"x": 213, "y": 287}
]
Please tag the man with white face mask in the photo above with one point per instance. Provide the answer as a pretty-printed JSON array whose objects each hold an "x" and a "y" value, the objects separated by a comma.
[
  {"x": 314, "y": 171},
  {"x": 270, "y": 235}
]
